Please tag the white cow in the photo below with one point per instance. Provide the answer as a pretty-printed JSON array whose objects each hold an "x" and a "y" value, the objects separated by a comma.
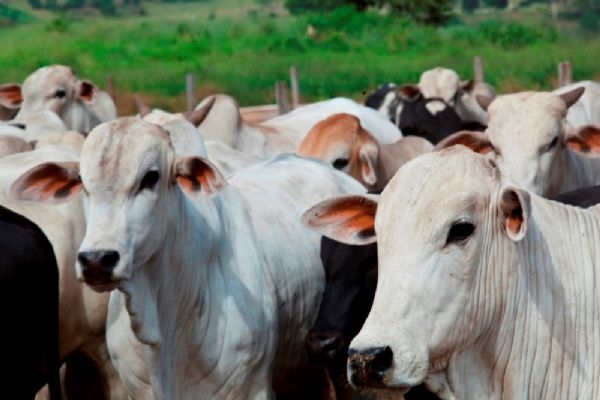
[
  {"x": 284, "y": 133},
  {"x": 341, "y": 141},
  {"x": 484, "y": 290},
  {"x": 586, "y": 110},
  {"x": 82, "y": 312},
  {"x": 529, "y": 138},
  {"x": 217, "y": 281},
  {"x": 79, "y": 103},
  {"x": 462, "y": 95}
]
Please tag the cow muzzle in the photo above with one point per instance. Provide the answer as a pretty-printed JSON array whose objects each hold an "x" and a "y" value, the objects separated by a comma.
[
  {"x": 370, "y": 367},
  {"x": 97, "y": 268},
  {"x": 325, "y": 346}
]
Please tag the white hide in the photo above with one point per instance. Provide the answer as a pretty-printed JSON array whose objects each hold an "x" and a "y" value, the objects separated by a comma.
[
  {"x": 507, "y": 311},
  {"x": 219, "y": 277}
]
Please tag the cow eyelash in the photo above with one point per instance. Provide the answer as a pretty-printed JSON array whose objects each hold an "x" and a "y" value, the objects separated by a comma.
[
  {"x": 340, "y": 163},
  {"x": 459, "y": 232},
  {"x": 149, "y": 180}
]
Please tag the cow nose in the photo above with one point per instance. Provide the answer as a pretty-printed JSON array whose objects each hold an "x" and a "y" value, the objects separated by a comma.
[
  {"x": 97, "y": 266},
  {"x": 324, "y": 346},
  {"x": 368, "y": 367}
]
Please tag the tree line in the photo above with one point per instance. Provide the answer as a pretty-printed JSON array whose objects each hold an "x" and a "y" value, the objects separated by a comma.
[{"x": 435, "y": 12}]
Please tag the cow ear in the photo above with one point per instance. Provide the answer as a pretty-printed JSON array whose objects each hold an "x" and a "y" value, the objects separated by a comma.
[
  {"x": 584, "y": 139},
  {"x": 572, "y": 96},
  {"x": 196, "y": 174},
  {"x": 50, "y": 183},
  {"x": 10, "y": 96},
  {"x": 484, "y": 101},
  {"x": 475, "y": 140},
  {"x": 86, "y": 90},
  {"x": 409, "y": 92},
  {"x": 348, "y": 219},
  {"x": 514, "y": 208},
  {"x": 467, "y": 86},
  {"x": 368, "y": 155}
]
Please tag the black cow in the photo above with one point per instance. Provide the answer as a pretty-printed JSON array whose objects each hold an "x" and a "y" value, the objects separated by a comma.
[
  {"x": 28, "y": 309},
  {"x": 584, "y": 197},
  {"x": 430, "y": 118}
]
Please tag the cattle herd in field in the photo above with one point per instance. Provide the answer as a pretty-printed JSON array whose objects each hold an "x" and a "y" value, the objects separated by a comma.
[{"x": 438, "y": 240}]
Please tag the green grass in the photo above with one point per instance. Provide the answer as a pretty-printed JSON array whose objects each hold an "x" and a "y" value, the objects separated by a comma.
[{"x": 240, "y": 48}]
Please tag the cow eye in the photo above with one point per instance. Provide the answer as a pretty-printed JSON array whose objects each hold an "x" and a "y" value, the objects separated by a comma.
[
  {"x": 459, "y": 232},
  {"x": 149, "y": 180},
  {"x": 553, "y": 143},
  {"x": 60, "y": 93},
  {"x": 340, "y": 163}
]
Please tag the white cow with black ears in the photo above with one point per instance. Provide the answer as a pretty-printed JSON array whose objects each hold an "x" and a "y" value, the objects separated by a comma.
[{"x": 217, "y": 282}]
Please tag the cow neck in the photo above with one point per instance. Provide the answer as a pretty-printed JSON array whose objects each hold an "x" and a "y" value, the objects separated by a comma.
[
  {"x": 543, "y": 345},
  {"x": 577, "y": 171},
  {"x": 184, "y": 303}
]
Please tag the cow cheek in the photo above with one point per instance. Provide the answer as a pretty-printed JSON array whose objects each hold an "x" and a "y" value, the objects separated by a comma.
[{"x": 146, "y": 230}]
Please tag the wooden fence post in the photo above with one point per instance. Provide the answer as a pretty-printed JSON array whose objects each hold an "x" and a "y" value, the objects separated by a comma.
[
  {"x": 565, "y": 73},
  {"x": 295, "y": 89},
  {"x": 281, "y": 94},
  {"x": 190, "y": 91},
  {"x": 478, "y": 70}
]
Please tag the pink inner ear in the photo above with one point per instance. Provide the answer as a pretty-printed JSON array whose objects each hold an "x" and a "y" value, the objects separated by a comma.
[
  {"x": 10, "y": 96},
  {"x": 87, "y": 90},
  {"x": 188, "y": 184},
  {"x": 514, "y": 223},
  {"x": 585, "y": 140}
]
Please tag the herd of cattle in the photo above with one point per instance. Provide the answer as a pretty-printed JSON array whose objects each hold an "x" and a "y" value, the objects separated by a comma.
[{"x": 439, "y": 240}]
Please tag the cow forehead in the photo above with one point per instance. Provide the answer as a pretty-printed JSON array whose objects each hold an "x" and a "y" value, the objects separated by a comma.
[
  {"x": 533, "y": 116},
  {"x": 439, "y": 82},
  {"x": 432, "y": 182},
  {"x": 116, "y": 147},
  {"x": 52, "y": 75}
]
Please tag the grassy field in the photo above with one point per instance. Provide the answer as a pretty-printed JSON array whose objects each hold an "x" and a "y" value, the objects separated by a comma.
[{"x": 241, "y": 48}]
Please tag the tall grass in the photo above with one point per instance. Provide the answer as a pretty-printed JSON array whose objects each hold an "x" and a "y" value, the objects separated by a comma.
[{"x": 246, "y": 53}]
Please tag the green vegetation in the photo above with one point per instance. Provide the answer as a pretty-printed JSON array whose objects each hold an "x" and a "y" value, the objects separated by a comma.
[{"x": 244, "y": 47}]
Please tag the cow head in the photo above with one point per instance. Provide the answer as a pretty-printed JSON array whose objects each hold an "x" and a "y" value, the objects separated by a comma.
[
  {"x": 436, "y": 223},
  {"x": 527, "y": 136},
  {"x": 346, "y": 145},
  {"x": 128, "y": 174},
  {"x": 56, "y": 88}
]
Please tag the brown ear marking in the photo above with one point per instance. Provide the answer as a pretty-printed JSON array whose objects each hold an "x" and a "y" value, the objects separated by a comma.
[
  {"x": 195, "y": 174},
  {"x": 87, "y": 89},
  {"x": 47, "y": 182}
]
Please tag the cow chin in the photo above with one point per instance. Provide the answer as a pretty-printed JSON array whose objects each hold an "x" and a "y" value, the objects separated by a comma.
[{"x": 103, "y": 287}]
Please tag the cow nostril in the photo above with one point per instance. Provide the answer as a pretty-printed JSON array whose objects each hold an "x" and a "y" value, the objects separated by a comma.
[
  {"x": 109, "y": 259},
  {"x": 382, "y": 359},
  {"x": 83, "y": 259},
  {"x": 369, "y": 366},
  {"x": 106, "y": 259}
]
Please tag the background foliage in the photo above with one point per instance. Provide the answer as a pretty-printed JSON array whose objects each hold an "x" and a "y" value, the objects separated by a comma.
[{"x": 244, "y": 47}]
